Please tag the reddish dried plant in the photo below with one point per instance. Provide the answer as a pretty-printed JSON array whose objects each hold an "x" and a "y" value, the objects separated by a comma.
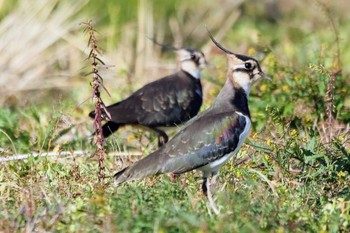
[
  {"x": 97, "y": 83},
  {"x": 332, "y": 73}
]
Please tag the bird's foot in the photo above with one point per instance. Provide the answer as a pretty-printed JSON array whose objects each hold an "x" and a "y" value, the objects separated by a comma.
[
  {"x": 212, "y": 203},
  {"x": 161, "y": 141},
  {"x": 173, "y": 177},
  {"x": 162, "y": 138}
]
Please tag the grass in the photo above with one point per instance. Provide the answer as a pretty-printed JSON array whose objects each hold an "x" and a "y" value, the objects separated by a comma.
[{"x": 290, "y": 176}]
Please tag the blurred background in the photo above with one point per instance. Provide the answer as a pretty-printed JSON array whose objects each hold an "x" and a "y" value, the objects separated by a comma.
[{"x": 44, "y": 48}]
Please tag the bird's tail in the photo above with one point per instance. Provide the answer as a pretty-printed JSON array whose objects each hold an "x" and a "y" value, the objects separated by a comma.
[
  {"x": 119, "y": 177},
  {"x": 109, "y": 128},
  {"x": 92, "y": 114},
  {"x": 148, "y": 166},
  {"x": 104, "y": 115}
]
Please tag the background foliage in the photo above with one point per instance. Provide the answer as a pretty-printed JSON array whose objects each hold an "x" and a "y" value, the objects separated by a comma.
[{"x": 292, "y": 175}]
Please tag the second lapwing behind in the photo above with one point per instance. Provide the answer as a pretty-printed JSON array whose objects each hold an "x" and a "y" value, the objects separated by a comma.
[{"x": 167, "y": 102}]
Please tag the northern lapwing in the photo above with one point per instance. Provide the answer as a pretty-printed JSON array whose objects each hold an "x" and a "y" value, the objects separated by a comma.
[
  {"x": 167, "y": 102},
  {"x": 210, "y": 139}
]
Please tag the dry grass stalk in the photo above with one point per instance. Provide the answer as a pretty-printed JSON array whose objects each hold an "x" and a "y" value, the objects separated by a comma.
[
  {"x": 329, "y": 107},
  {"x": 332, "y": 74},
  {"x": 97, "y": 83}
]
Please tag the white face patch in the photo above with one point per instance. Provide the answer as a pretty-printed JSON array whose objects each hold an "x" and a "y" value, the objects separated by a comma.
[{"x": 242, "y": 79}]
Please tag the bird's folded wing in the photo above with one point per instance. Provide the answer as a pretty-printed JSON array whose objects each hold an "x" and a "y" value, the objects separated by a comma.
[
  {"x": 205, "y": 140},
  {"x": 154, "y": 104}
]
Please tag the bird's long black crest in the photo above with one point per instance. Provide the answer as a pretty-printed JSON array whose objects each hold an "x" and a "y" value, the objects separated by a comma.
[
  {"x": 165, "y": 47},
  {"x": 217, "y": 43}
]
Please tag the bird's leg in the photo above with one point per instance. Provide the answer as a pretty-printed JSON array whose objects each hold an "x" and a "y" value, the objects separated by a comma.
[
  {"x": 210, "y": 197},
  {"x": 162, "y": 140},
  {"x": 213, "y": 179},
  {"x": 173, "y": 177},
  {"x": 162, "y": 137},
  {"x": 204, "y": 186}
]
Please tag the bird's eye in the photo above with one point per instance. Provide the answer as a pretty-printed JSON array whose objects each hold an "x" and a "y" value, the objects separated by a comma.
[
  {"x": 248, "y": 65},
  {"x": 193, "y": 57}
]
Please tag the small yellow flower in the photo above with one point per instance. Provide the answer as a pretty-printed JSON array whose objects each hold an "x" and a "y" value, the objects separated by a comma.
[
  {"x": 130, "y": 138},
  {"x": 238, "y": 174},
  {"x": 293, "y": 132},
  {"x": 251, "y": 51},
  {"x": 263, "y": 87},
  {"x": 341, "y": 174},
  {"x": 297, "y": 77},
  {"x": 267, "y": 157},
  {"x": 269, "y": 142},
  {"x": 280, "y": 230},
  {"x": 307, "y": 118},
  {"x": 285, "y": 87},
  {"x": 270, "y": 61}
]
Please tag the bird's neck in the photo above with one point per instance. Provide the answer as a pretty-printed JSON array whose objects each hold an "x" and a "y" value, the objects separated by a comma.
[
  {"x": 191, "y": 68},
  {"x": 233, "y": 97}
]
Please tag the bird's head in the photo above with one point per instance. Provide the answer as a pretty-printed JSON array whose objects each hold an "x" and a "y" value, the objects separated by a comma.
[
  {"x": 191, "y": 61},
  {"x": 242, "y": 70}
]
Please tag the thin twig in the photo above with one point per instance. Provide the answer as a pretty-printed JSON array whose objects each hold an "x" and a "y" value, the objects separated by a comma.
[
  {"x": 34, "y": 154},
  {"x": 63, "y": 153},
  {"x": 265, "y": 179}
]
